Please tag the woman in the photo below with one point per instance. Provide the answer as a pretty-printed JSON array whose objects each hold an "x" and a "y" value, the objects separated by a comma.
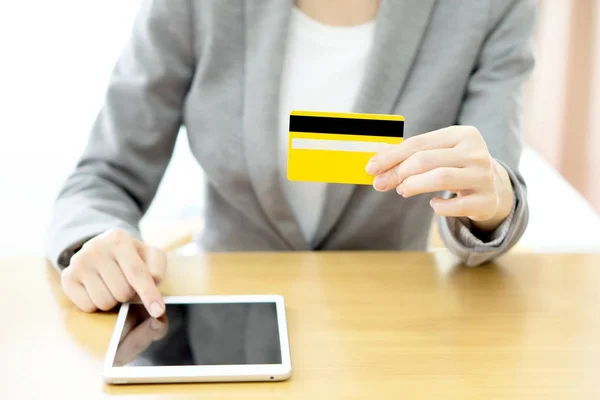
[{"x": 232, "y": 71}]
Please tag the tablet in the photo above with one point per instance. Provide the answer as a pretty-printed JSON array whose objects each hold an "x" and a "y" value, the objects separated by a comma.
[{"x": 201, "y": 339}]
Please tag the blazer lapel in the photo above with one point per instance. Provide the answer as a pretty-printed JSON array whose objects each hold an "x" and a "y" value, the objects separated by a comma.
[
  {"x": 266, "y": 35},
  {"x": 399, "y": 29}
]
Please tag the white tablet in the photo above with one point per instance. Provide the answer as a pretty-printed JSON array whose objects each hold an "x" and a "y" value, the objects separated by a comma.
[{"x": 201, "y": 339}]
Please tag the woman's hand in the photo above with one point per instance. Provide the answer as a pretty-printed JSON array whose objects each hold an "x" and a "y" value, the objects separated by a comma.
[
  {"x": 112, "y": 268},
  {"x": 454, "y": 159}
]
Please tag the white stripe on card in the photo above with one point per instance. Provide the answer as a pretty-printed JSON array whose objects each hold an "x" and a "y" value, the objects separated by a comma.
[{"x": 338, "y": 145}]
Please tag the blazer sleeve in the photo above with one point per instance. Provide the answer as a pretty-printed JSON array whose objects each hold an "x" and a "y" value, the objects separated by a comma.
[
  {"x": 133, "y": 136},
  {"x": 492, "y": 104}
]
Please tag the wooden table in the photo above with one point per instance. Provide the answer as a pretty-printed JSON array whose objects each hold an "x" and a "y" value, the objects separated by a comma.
[{"x": 362, "y": 325}]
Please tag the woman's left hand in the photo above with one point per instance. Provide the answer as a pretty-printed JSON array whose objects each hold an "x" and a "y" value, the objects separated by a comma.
[{"x": 454, "y": 159}]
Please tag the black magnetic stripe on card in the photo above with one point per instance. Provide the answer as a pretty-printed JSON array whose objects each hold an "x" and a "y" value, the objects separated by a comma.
[{"x": 347, "y": 126}]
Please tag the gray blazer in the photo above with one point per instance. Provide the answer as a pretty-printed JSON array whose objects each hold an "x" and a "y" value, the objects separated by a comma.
[{"x": 214, "y": 66}]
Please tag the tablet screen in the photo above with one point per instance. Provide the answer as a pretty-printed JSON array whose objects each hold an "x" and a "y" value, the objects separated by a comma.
[{"x": 200, "y": 334}]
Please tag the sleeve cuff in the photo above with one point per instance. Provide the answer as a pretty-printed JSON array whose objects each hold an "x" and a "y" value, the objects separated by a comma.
[
  {"x": 469, "y": 236},
  {"x": 476, "y": 247},
  {"x": 63, "y": 244}
]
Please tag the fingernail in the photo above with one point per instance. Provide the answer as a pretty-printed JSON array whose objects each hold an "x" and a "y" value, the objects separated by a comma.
[
  {"x": 400, "y": 191},
  {"x": 156, "y": 309},
  {"x": 371, "y": 167},
  {"x": 155, "y": 324},
  {"x": 379, "y": 183}
]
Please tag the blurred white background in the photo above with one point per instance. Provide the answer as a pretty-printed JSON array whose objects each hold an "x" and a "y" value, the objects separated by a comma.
[
  {"x": 55, "y": 59},
  {"x": 55, "y": 62}
]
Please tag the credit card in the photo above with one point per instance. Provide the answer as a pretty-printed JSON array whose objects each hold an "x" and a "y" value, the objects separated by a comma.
[{"x": 336, "y": 147}]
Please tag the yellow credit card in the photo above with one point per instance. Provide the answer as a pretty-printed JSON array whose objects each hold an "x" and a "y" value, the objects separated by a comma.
[{"x": 336, "y": 147}]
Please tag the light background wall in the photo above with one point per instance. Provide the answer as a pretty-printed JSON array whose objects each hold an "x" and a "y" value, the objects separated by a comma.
[
  {"x": 563, "y": 103},
  {"x": 55, "y": 60}
]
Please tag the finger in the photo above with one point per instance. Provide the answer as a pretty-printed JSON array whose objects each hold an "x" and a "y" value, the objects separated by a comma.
[
  {"x": 98, "y": 292},
  {"x": 440, "y": 179},
  {"x": 137, "y": 274},
  {"x": 115, "y": 280},
  {"x": 76, "y": 292},
  {"x": 394, "y": 155},
  {"x": 472, "y": 206},
  {"x": 135, "y": 316},
  {"x": 156, "y": 260},
  {"x": 416, "y": 164}
]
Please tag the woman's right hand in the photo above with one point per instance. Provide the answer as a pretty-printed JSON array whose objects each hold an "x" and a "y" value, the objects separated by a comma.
[{"x": 113, "y": 268}]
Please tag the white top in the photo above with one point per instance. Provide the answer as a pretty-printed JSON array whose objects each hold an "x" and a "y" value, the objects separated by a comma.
[{"x": 322, "y": 71}]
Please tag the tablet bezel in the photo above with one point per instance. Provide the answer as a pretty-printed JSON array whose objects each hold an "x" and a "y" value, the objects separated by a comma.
[{"x": 203, "y": 373}]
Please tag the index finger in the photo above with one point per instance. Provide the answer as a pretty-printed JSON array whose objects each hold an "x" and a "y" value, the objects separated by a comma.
[
  {"x": 156, "y": 262},
  {"x": 137, "y": 274},
  {"x": 394, "y": 155}
]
